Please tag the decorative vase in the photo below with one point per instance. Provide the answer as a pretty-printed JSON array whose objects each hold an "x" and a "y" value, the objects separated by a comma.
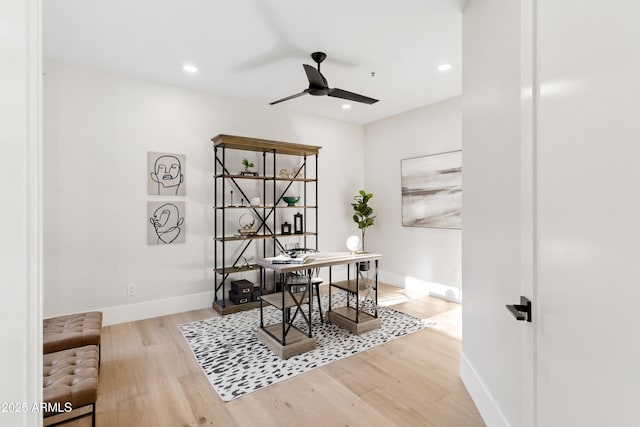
[
  {"x": 286, "y": 228},
  {"x": 297, "y": 223}
]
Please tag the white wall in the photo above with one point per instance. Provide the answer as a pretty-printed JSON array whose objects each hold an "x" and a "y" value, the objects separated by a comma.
[
  {"x": 418, "y": 258},
  {"x": 491, "y": 246},
  {"x": 98, "y": 128},
  {"x": 20, "y": 212}
]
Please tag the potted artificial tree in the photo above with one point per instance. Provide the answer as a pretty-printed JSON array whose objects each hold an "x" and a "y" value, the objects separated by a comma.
[{"x": 363, "y": 216}]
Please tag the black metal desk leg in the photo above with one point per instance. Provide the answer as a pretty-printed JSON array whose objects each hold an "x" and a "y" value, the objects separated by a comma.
[
  {"x": 376, "y": 306},
  {"x": 357, "y": 293},
  {"x": 329, "y": 309},
  {"x": 349, "y": 279},
  {"x": 261, "y": 274},
  {"x": 282, "y": 288},
  {"x": 310, "y": 289}
]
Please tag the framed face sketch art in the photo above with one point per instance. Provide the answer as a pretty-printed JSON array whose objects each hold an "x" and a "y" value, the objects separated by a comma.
[
  {"x": 166, "y": 174},
  {"x": 432, "y": 191},
  {"x": 165, "y": 223}
]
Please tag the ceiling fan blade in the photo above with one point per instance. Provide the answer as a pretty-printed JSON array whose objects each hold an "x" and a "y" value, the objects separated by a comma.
[
  {"x": 314, "y": 76},
  {"x": 339, "y": 93},
  {"x": 290, "y": 97}
]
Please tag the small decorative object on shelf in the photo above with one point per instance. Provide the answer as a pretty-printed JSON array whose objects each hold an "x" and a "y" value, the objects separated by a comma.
[
  {"x": 247, "y": 221},
  {"x": 297, "y": 223},
  {"x": 246, "y": 260},
  {"x": 247, "y": 165},
  {"x": 242, "y": 202},
  {"x": 231, "y": 202},
  {"x": 297, "y": 172},
  {"x": 286, "y": 228},
  {"x": 291, "y": 200},
  {"x": 284, "y": 173}
]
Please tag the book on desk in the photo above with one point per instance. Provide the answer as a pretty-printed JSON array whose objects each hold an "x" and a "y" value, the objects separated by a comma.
[{"x": 286, "y": 259}]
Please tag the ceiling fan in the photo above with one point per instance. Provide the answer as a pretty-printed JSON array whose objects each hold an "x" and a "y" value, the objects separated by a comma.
[{"x": 318, "y": 85}]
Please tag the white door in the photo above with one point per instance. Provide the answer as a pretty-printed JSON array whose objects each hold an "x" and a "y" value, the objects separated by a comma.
[
  {"x": 20, "y": 106},
  {"x": 497, "y": 357},
  {"x": 587, "y": 213},
  {"x": 552, "y": 88}
]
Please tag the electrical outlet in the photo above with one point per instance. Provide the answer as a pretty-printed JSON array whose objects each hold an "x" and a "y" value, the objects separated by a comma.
[
  {"x": 456, "y": 276},
  {"x": 131, "y": 289}
]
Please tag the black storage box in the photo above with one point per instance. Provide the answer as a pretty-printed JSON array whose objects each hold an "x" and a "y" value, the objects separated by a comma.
[
  {"x": 255, "y": 294},
  {"x": 240, "y": 299},
  {"x": 297, "y": 287},
  {"x": 241, "y": 287}
]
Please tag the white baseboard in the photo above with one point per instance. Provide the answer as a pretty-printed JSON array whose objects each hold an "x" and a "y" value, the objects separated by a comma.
[
  {"x": 155, "y": 308},
  {"x": 162, "y": 307},
  {"x": 450, "y": 293},
  {"x": 489, "y": 410},
  {"x": 392, "y": 279}
]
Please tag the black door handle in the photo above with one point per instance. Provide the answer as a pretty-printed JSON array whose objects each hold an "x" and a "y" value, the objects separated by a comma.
[{"x": 521, "y": 311}]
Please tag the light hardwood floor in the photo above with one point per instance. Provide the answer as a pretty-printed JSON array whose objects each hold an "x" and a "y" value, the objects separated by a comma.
[{"x": 149, "y": 377}]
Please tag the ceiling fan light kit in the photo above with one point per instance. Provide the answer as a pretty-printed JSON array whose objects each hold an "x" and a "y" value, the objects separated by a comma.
[{"x": 318, "y": 85}]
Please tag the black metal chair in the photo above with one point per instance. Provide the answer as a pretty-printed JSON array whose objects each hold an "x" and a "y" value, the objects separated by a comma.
[{"x": 301, "y": 277}]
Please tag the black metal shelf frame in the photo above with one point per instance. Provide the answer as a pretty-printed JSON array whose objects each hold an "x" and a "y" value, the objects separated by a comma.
[{"x": 267, "y": 215}]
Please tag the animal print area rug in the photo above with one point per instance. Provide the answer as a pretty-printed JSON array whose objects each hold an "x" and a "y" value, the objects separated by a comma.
[{"x": 236, "y": 363}]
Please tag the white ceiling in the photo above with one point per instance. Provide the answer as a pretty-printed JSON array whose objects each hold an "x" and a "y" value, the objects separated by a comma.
[{"x": 256, "y": 48}]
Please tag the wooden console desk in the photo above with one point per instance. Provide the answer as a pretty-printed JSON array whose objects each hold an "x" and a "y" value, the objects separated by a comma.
[{"x": 287, "y": 340}]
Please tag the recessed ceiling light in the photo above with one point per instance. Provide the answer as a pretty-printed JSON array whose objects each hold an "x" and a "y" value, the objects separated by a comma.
[
  {"x": 190, "y": 69},
  {"x": 444, "y": 67},
  {"x": 346, "y": 106}
]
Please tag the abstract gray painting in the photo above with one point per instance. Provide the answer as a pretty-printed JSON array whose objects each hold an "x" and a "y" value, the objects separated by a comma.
[{"x": 432, "y": 191}]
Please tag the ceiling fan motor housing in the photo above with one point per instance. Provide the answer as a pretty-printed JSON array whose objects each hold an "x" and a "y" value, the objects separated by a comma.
[
  {"x": 318, "y": 57},
  {"x": 319, "y": 86},
  {"x": 318, "y": 91}
]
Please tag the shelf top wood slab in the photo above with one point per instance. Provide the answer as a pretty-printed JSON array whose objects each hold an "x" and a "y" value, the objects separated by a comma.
[
  {"x": 263, "y": 145},
  {"x": 262, "y": 236},
  {"x": 320, "y": 259},
  {"x": 264, "y": 178}
]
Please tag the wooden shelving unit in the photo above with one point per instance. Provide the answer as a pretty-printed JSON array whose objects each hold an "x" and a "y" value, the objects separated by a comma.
[{"x": 268, "y": 240}]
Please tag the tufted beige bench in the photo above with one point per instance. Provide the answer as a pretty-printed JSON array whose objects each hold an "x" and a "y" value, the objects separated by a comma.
[
  {"x": 70, "y": 384},
  {"x": 75, "y": 330}
]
